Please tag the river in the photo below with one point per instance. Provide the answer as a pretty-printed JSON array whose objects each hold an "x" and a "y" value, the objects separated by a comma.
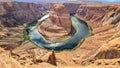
[{"x": 82, "y": 31}]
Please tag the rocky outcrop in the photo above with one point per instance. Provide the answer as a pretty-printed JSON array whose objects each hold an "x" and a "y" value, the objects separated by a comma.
[
  {"x": 60, "y": 17},
  {"x": 33, "y": 55},
  {"x": 8, "y": 62},
  {"x": 99, "y": 15},
  {"x": 58, "y": 24},
  {"x": 52, "y": 59},
  {"x": 110, "y": 49},
  {"x": 17, "y": 13},
  {"x": 105, "y": 42}
]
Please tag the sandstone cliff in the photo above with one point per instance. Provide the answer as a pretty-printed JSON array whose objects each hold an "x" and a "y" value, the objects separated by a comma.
[
  {"x": 104, "y": 20},
  {"x": 14, "y": 13},
  {"x": 99, "y": 15},
  {"x": 58, "y": 24}
]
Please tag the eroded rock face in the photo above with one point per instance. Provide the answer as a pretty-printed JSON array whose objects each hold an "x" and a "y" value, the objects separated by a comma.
[
  {"x": 60, "y": 16},
  {"x": 99, "y": 15},
  {"x": 18, "y": 13},
  {"x": 58, "y": 24}
]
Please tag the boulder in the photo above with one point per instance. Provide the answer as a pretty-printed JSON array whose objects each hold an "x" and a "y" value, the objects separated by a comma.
[
  {"x": 49, "y": 58},
  {"x": 52, "y": 59}
]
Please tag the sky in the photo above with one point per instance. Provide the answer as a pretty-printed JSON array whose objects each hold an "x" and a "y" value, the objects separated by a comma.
[
  {"x": 65, "y": 0},
  {"x": 107, "y": 0}
]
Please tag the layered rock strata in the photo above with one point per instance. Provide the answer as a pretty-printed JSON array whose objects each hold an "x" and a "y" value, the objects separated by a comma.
[
  {"x": 18, "y": 13},
  {"x": 99, "y": 15},
  {"x": 58, "y": 24}
]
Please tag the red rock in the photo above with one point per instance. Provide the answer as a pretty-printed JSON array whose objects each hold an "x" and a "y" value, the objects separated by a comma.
[
  {"x": 18, "y": 13},
  {"x": 52, "y": 59},
  {"x": 58, "y": 24},
  {"x": 98, "y": 15}
]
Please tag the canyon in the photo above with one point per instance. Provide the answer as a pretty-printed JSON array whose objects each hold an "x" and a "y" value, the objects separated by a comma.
[{"x": 98, "y": 50}]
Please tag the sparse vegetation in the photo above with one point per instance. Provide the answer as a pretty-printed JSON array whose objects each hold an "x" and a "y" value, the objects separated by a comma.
[{"x": 25, "y": 36}]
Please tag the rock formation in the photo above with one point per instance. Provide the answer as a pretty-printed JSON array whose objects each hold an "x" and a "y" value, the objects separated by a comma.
[
  {"x": 99, "y": 15},
  {"x": 8, "y": 62},
  {"x": 52, "y": 59},
  {"x": 17, "y": 13},
  {"x": 58, "y": 24},
  {"x": 103, "y": 19}
]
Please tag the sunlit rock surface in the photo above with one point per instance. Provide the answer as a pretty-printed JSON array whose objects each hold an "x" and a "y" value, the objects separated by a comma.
[{"x": 58, "y": 24}]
